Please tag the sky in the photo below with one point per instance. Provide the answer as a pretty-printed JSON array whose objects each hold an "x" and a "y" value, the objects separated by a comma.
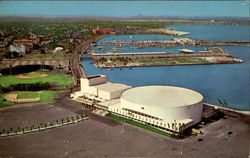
[{"x": 126, "y": 8}]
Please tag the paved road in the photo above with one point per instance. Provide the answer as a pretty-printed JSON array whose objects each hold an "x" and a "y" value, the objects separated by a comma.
[
  {"x": 64, "y": 102},
  {"x": 76, "y": 67},
  {"x": 91, "y": 138},
  {"x": 102, "y": 137}
]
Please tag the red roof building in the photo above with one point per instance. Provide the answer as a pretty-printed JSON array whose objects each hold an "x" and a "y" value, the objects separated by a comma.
[
  {"x": 26, "y": 42},
  {"x": 99, "y": 30}
]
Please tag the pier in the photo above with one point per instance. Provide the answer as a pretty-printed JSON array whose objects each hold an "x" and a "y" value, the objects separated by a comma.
[
  {"x": 173, "y": 43},
  {"x": 155, "y": 55},
  {"x": 208, "y": 56}
]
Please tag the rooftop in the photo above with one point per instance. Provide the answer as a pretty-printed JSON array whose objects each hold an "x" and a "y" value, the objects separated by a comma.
[
  {"x": 114, "y": 103},
  {"x": 111, "y": 87},
  {"x": 164, "y": 96},
  {"x": 94, "y": 76},
  {"x": 186, "y": 50}
]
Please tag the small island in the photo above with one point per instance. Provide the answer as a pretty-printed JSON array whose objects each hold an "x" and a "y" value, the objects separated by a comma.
[{"x": 186, "y": 57}]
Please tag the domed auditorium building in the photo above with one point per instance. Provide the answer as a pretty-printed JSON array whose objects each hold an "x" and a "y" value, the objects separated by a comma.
[{"x": 168, "y": 108}]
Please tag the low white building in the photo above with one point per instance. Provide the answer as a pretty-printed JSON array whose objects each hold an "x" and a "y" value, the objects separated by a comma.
[
  {"x": 99, "y": 88},
  {"x": 57, "y": 49},
  {"x": 18, "y": 48},
  {"x": 168, "y": 108}
]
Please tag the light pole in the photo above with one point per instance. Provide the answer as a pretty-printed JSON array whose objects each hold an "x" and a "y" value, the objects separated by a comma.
[
  {"x": 1, "y": 119},
  {"x": 10, "y": 71},
  {"x": 181, "y": 147},
  {"x": 25, "y": 123},
  {"x": 82, "y": 109},
  {"x": 122, "y": 126},
  {"x": 182, "y": 139},
  {"x": 66, "y": 147}
]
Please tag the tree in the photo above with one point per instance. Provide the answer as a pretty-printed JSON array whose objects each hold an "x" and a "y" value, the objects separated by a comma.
[
  {"x": 102, "y": 60},
  {"x": 126, "y": 60},
  {"x": 223, "y": 103}
]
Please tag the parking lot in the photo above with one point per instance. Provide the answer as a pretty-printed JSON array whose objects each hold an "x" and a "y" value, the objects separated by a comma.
[{"x": 102, "y": 137}]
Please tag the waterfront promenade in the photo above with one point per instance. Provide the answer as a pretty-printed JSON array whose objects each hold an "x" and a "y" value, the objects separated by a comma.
[{"x": 75, "y": 65}]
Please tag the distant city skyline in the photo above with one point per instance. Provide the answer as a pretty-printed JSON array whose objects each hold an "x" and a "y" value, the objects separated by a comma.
[{"x": 126, "y": 8}]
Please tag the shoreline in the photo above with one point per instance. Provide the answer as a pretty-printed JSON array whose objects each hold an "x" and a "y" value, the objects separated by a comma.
[
  {"x": 246, "y": 112},
  {"x": 155, "y": 65}
]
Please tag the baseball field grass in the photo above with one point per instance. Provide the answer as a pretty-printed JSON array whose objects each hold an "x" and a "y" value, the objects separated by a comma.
[
  {"x": 61, "y": 80},
  {"x": 45, "y": 96}
]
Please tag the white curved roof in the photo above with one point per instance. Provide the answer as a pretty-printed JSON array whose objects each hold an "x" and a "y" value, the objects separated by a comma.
[{"x": 162, "y": 96}]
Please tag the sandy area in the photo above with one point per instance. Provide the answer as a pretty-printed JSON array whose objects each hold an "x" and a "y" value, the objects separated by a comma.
[
  {"x": 27, "y": 77},
  {"x": 13, "y": 98}
]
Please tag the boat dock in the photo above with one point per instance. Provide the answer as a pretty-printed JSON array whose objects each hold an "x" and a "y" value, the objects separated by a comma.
[{"x": 174, "y": 43}]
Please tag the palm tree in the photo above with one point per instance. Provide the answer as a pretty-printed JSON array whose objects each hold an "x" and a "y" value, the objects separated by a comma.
[{"x": 102, "y": 60}]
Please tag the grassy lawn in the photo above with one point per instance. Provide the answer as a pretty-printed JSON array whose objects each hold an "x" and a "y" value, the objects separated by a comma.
[
  {"x": 49, "y": 56},
  {"x": 3, "y": 102},
  {"x": 79, "y": 105},
  {"x": 62, "y": 80},
  {"x": 190, "y": 60},
  {"x": 138, "y": 124},
  {"x": 27, "y": 95},
  {"x": 152, "y": 61},
  {"x": 48, "y": 96},
  {"x": 35, "y": 73},
  {"x": 45, "y": 96}
]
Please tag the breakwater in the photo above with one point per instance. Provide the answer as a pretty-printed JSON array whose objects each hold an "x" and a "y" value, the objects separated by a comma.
[{"x": 173, "y": 43}]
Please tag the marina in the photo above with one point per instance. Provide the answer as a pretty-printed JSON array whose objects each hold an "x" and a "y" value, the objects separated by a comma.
[
  {"x": 124, "y": 79},
  {"x": 214, "y": 81}
]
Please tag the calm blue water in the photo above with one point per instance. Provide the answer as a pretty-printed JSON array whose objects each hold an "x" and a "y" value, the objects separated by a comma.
[
  {"x": 200, "y": 32},
  {"x": 129, "y": 48},
  {"x": 215, "y": 32},
  {"x": 225, "y": 81},
  {"x": 134, "y": 38}
]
